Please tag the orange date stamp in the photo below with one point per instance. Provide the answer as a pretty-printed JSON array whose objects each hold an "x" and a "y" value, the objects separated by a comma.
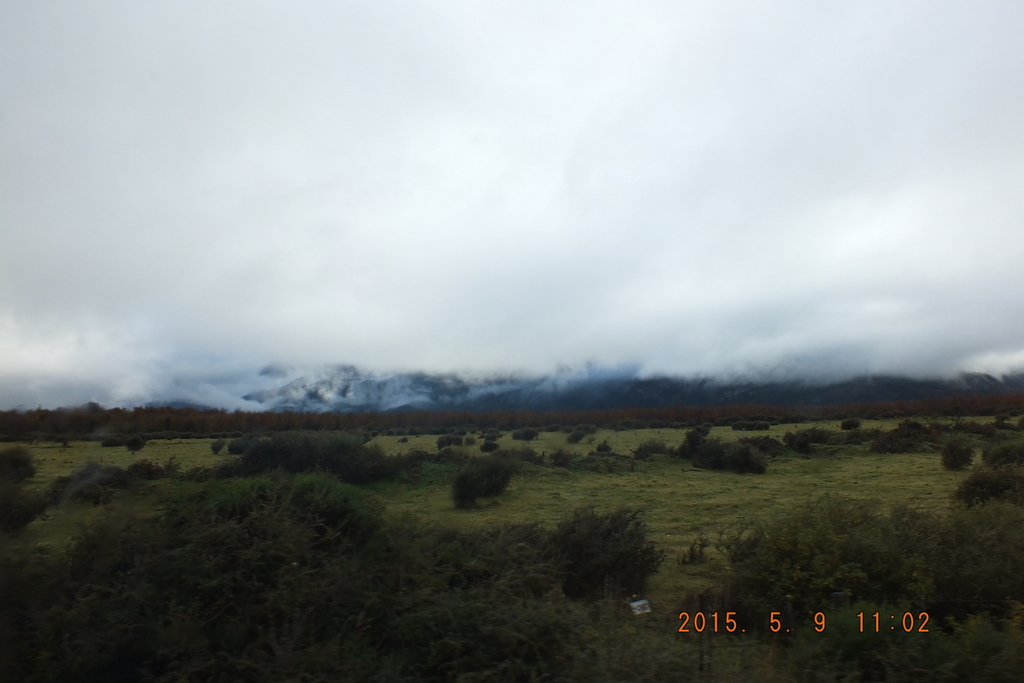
[{"x": 726, "y": 622}]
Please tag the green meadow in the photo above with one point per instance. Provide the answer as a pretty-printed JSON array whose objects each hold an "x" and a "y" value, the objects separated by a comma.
[
  {"x": 679, "y": 500},
  {"x": 309, "y": 577}
]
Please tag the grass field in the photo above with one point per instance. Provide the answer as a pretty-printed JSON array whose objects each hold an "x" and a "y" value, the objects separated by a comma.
[{"x": 680, "y": 501}]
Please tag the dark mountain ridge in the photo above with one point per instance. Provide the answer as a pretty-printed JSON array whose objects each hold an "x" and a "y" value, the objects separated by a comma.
[{"x": 345, "y": 389}]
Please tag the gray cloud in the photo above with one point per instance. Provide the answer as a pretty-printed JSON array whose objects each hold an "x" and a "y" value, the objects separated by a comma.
[{"x": 189, "y": 190}]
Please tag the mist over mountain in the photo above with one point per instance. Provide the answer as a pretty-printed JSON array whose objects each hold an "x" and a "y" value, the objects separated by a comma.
[{"x": 347, "y": 389}]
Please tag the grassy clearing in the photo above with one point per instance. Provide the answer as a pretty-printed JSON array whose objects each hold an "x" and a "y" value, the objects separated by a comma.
[{"x": 680, "y": 500}]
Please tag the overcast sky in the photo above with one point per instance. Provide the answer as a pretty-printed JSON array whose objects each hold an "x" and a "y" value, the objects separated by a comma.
[{"x": 193, "y": 190}]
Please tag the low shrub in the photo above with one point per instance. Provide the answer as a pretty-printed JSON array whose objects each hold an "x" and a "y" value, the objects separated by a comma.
[
  {"x": 135, "y": 443},
  {"x": 605, "y": 554},
  {"x": 94, "y": 483},
  {"x": 525, "y": 434},
  {"x": 650, "y": 447},
  {"x": 1004, "y": 454},
  {"x": 696, "y": 552},
  {"x": 240, "y": 444},
  {"x": 345, "y": 455},
  {"x": 18, "y": 506},
  {"x": 986, "y": 483},
  {"x": 831, "y": 544},
  {"x": 482, "y": 477},
  {"x": 112, "y": 441},
  {"x": 768, "y": 445},
  {"x": 446, "y": 440},
  {"x": 561, "y": 458},
  {"x": 957, "y": 454},
  {"x": 751, "y": 426},
  {"x": 488, "y": 446},
  {"x": 16, "y": 464},
  {"x": 907, "y": 437},
  {"x": 850, "y": 423},
  {"x": 217, "y": 446},
  {"x": 973, "y": 427},
  {"x": 603, "y": 447},
  {"x": 740, "y": 458},
  {"x": 692, "y": 441},
  {"x": 576, "y": 436},
  {"x": 523, "y": 454},
  {"x": 147, "y": 469}
]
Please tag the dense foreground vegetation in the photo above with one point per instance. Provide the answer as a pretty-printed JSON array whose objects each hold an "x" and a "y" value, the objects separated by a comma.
[{"x": 288, "y": 557}]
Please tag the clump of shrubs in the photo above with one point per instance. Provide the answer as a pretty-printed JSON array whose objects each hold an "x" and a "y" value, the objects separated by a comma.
[
  {"x": 804, "y": 440},
  {"x": 692, "y": 441},
  {"x": 522, "y": 454},
  {"x": 741, "y": 458},
  {"x": 561, "y": 458},
  {"x": 987, "y": 483},
  {"x": 850, "y": 423},
  {"x": 94, "y": 483},
  {"x": 768, "y": 445},
  {"x": 488, "y": 446},
  {"x": 112, "y": 441},
  {"x": 957, "y": 454},
  {"x": 603, "y": 447},
  {"x": 650, "y": 447},
  {"x": 1004, "y": 454},
  {"x": 345, "y": 455},
  {"x": 147, "y": 469},
  {"x": 605, "y": 555},
  {"x": 16, "y": 464},
  {"x": 482, "y": 477},
  {"x": 751, "y": 426},
  {"x": 217, "y": 446},
  {"x": 18, "y": 506},
  {"x": 446, "y": 440},
  {"x": 135, "y": 443},
  {"x": 525, "y": 434}
]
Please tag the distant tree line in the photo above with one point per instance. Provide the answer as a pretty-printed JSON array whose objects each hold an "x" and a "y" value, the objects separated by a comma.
[{"x": 95, "y": 421}]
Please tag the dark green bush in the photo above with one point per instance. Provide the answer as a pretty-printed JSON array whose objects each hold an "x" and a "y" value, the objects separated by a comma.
[
  {"x": 217, "y": 446},
  {"x": 692, "y": 441},
  {"x": 605, "y": 555},
  {"x": 987, "y": 483},
  {"x": 973, "y": 427},
  {"x": 94, "y": 483},
  {"x": 523, "y": 454},
  {"x": 561, "y": 458},
  {"x": 240, "y": 444},
  {"x": 907, "y": 437},
  {"x": 525, "y": 434},
  {"x": 737, "y": 457},
  {"x": 343, "y": 454},
  {"x": 16, "y": 464},
  {"x": 850, "y": 423},
  {"x": 1004, "y": 454},
  {"x": 147, "y": 469},
  {"x": 751, "y": 426},
  {"x": 18, "y": 507},
  {"x": 112, "y": 441},
  {"x": 446, "y": 440},
  {"x": 135, "y": 443},
  {"x": 957, "y": 454},
  {"x": 603, "y": 447},
  {"x": 576, "y": 436},
  {"x": 829, "y": 545},
  {"x": 488, "y": 446},
  {"x": 768, "y": 445},
  {"x": 482, "y": 477},
  {"x": 650, "y": 447}
]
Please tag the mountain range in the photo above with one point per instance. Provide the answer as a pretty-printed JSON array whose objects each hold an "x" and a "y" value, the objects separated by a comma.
[{"x": 347, "y": 389}]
